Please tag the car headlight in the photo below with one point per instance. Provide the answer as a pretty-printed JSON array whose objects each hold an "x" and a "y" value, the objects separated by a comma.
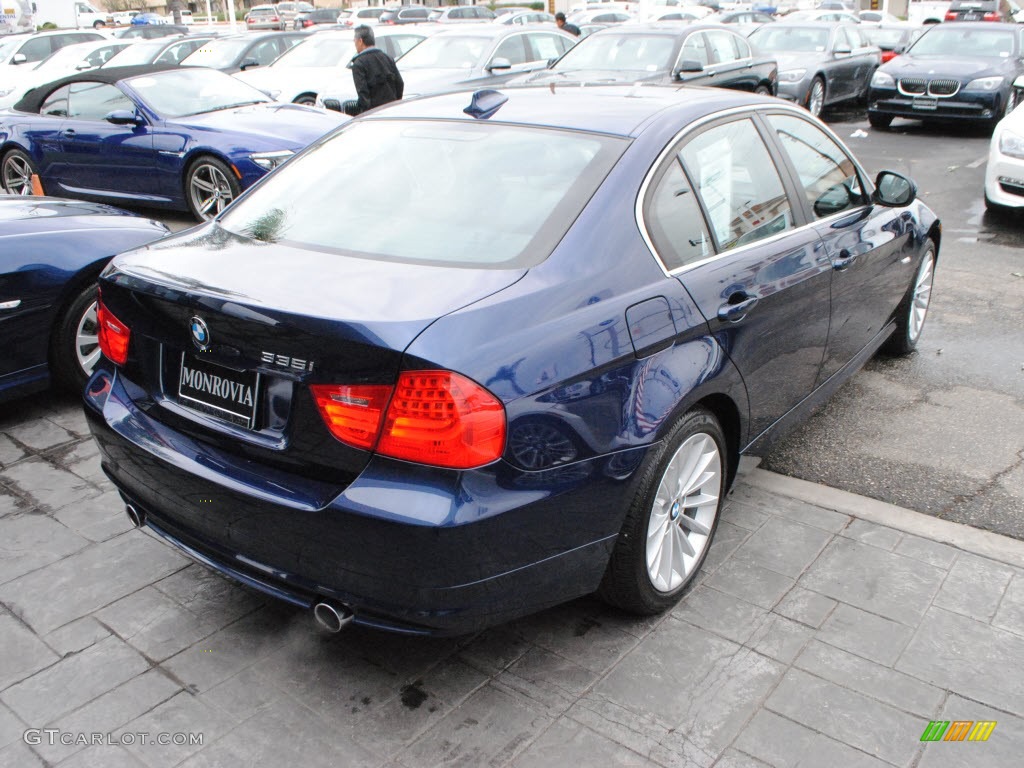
[
  {"x": 792, "y": 75},
  {"x": 268, "y": 161},
  {"x": 882, "y": 80},
  {"x": 1011, "y": 144},
  {"x": 6, "y": 91},
  {"x": 984, "y": 84}
]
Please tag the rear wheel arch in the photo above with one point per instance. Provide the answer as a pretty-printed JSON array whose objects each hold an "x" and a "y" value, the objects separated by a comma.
[{"x": 727, "y": 413}]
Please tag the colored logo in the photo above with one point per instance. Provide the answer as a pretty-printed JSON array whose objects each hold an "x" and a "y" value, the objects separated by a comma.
[
  {"x": 958, "y": 730},
  {"x": 200, "y": 333}
]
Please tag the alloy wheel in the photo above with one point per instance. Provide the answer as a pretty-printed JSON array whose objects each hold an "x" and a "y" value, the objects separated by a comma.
[
  {"x": 684, "y": 511},
  {"x": 210, "y": 190},
  {"x": 816, "y": 100},
  {"x": 87, "y": 341},
  {"x": 17, "y": 178},
  {"x": 921, "y": 297}
]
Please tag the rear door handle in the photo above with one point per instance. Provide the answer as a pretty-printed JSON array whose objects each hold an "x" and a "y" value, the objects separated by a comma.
[
  {"x": 68, "y": 133},
  {"x": 736, "y": 309}
]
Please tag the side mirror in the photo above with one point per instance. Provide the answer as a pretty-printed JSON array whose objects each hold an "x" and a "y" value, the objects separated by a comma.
[
  {"x": 499, "y": 63},
  {"x": 247, "y": 64},
  {"x": 843, "y": 50},
  {"x": 894, "y": 189},
  {"x": 19, "y": 58},
  {"x": 123, "y": 117},
  {"x": 82, "y": 66},
  {"x": 689, "y": 65},
  {"x": 552, "y": 61}
]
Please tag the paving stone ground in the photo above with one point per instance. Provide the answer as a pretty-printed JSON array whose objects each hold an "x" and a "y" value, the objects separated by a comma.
[{"x": 814, "y": 638}]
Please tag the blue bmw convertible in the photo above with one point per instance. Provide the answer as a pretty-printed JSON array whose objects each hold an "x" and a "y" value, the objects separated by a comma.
[
  {"x": 184, "y": 139},
  {"x": 360, "y": 394}
]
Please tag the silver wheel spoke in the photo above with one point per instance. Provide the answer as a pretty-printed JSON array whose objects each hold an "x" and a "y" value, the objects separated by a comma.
[
  {"x": 204, "y": 185},
  {"x": 89, "y": 361},
  {"x": 683, "y": 512}
]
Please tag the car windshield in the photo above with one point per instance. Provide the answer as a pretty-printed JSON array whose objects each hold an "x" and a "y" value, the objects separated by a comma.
[
  {"x": 137, "y": 53},
  {"x": 179, "y": 93},
  {"x": 478, "y": 195},
  {"x": 775, "y": 38},
  {"x": 216, "y": 53},
  {"x": 884, "y": 38},
  {"x": 7, "y": 47},
  {"x": 319, "y": 52},
  {"x": 959, "y": 41},
  {"x": 447, "y": 52},
  {"x": 645, "y": 53}
]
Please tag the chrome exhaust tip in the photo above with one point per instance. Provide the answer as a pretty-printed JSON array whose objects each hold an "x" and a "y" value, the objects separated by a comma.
[
  {"x": 138, "y": 518},
  {"x": 333, "y": 618}
]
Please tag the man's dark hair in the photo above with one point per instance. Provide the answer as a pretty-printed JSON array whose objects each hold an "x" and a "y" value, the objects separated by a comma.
[
  {"x": 559, "y": 16},
  {"x": 364, "y": 33}
]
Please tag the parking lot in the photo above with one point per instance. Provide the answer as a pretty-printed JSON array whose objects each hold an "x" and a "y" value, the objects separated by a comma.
[{"x": 865, "y": 581}]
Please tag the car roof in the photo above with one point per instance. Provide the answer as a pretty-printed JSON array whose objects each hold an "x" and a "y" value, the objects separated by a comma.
[
  {"x": 668, "y": 28},
  {"x": 620, "y": 110},
  {"x": 33, "y": 100},
  {"x": 490, "y": 29}
]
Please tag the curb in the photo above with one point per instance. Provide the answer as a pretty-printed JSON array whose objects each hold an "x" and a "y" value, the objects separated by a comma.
[{"x": 974, "y": 540}]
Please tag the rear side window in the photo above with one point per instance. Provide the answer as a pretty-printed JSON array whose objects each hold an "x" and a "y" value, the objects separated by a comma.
[
  {"x": 827, "y": 174},
  {"x": 722, "y": 47},
  {"x": 674, "y": 220},
  {"x": 478, "y": 195},
  {"x": 738, "y": 184}
]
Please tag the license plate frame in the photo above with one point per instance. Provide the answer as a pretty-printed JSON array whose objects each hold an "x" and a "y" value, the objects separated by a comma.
[
  {"x": 224, "y": 408},
  {"x": 926, "y": 103}
]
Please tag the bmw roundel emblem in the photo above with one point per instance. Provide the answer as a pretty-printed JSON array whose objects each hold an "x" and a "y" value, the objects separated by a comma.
[{"x": 200, "y": 333}]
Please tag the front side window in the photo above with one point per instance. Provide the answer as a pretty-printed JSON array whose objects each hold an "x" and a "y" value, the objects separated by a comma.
[
  {"x": 479, "y": 195},
  {"x": 738, "y": 184},
  {"x": 627, "y": 52},
  {"x": 513, "y": 49},
  {"x": 547, "y": 47},
  {"x": 94, "y": 101},
  {"x": 827, "y": 174},
  {"x": 36, "y": 50},
  {"x": 696, "y": 49}
]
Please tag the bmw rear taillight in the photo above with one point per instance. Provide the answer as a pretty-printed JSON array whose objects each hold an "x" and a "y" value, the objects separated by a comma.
[
  {"x": 432, "y": 417},
  {"x": 307, "y": 23},
  {"x": 353, "y": 414},
  {"x": 114, "y": 335},
  {"x": 950, "y": 16},
  {"x": 991, "y": 17}
]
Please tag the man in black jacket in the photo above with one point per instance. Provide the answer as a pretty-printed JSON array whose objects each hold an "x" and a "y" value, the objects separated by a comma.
[{"x": 375, "y": 74}]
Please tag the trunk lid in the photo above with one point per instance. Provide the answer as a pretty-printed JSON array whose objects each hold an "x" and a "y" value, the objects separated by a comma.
[{"x": 274, "y": 319}]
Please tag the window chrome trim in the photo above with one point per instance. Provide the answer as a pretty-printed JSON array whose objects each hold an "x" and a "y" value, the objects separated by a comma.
[{"x": 750, "y": 110}]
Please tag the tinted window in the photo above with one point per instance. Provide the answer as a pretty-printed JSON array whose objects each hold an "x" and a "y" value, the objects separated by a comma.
[
  {"x": 695, "y": 49},
  {"x": 177, "y": 52},
  {"x": 722, "y": 48},
  {"x": 546, "y": 47},
  {"x": 513, "y": 49},
  {"x": 965, "y": 41},
  {"x": 674, "y": 220},
  {"x": 94, "y": 101},
  {"x": 533, "y": 183},
  {"x": 738, "y": 184},
  {"x": 56, "y": 104},
  {"x": 826, "y": 172},
  {"x": 402, "y": 44},
  {"x": 742, "y": 48},
  {"x": 648, "y": 53},
  {"x": 37, "y": 49}
]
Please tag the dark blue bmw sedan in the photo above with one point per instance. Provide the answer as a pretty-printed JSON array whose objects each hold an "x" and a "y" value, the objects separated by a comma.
[{"x": 478, "y": 354}]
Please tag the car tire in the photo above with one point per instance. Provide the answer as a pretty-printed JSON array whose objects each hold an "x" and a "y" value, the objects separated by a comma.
[
  {"x": 210, "y": 186},
  {"x": 99, "y": 24},
  {"x": 16, "y": 171},
  {"x": 816, "y": 96},
  {"x": 306, "y": 99},
  {"x": 74, "y": 345},
  {"x": 763, "y": 90},
  {"x": 913, "y": 310},
  {"x": 637, "y": 579},
  {"x": 881, "y": 122}
]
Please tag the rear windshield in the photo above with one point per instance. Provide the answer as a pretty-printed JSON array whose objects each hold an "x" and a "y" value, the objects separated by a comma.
[
  {"x": 642, "y": 53},
  {"x": 773, "y": 38},
  {"x": 477, "y": 195},
  {"x": 964, "y": 41},
  {"x": 973, "y": 5}
]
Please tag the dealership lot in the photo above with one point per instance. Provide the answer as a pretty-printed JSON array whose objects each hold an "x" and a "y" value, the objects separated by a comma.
[{"x": 816, "y": 609}]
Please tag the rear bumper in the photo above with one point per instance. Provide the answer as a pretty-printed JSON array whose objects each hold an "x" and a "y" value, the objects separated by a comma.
[{"x": 408, "y": 548}]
